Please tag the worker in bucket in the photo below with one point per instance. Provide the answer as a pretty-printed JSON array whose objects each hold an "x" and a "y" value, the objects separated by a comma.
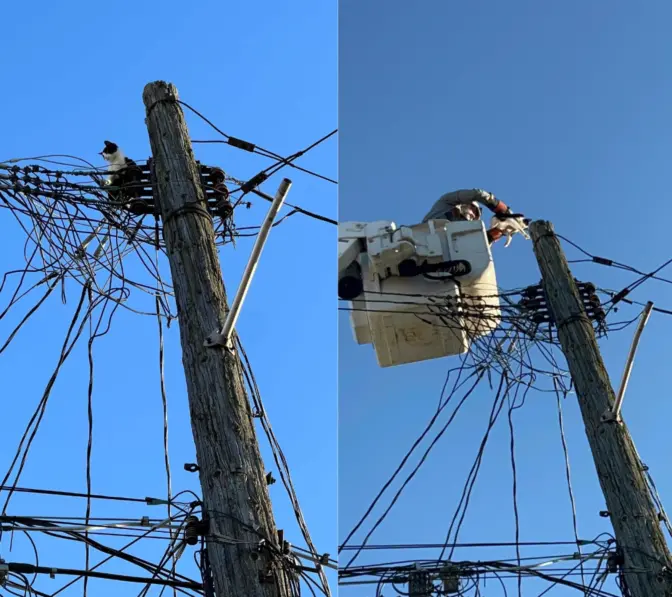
[{"x": 463, "y": 205}]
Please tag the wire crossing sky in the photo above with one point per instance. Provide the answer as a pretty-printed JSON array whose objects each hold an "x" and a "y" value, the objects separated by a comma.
[
  {"x": 258, "y": 106},
  {"x": 561, "y": 111}
]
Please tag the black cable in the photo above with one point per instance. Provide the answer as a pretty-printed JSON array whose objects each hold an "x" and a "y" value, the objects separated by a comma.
[
  {"x": 252, "y": 148},
  {"x": 30, "y": 568},
  {"x": 413, "y": 472}
]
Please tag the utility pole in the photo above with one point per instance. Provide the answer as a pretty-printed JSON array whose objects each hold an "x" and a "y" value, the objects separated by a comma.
[
  {"x": 646, "y": 557},
  {"x": 241, "y": 534}
]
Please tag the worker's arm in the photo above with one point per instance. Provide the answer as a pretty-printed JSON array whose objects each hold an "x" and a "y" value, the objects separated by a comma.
[
  {"x": 490, "y": 201},
  {"x": 448, "y": 201}
]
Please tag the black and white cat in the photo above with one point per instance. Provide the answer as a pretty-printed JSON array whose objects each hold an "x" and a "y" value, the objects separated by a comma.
[{"x": 116, "y": 161}]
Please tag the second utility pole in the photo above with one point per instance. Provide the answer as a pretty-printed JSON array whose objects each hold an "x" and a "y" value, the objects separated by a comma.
[
  {"x": 235, "y": 494},
  {"x": 647, "y": 564}
]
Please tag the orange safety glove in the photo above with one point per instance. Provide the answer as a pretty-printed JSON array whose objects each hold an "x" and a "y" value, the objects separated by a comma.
[
  {"x": 501, "y": 207},
  {"x": 494, "y": 234}
]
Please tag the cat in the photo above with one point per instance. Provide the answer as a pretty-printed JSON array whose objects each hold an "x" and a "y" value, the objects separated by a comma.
[
  {"x": 509, "y": 227},
  {"x": 116, "y": 161}
]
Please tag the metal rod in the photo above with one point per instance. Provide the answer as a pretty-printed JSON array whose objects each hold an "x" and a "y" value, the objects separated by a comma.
[
  {"x": 646, "y": 313},
  {"x": 313, "y": 559},
  {"x": 248, "y": 274},
  {"x": 88, "y": 239}
]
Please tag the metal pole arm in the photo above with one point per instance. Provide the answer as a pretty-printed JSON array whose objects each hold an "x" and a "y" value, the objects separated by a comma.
[{"x": 223, "y": 337}]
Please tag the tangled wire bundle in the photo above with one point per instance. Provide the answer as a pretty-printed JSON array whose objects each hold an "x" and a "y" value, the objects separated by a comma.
[
  {"x": 520, "y": 356},
  {"x": 108, "y": 241}
]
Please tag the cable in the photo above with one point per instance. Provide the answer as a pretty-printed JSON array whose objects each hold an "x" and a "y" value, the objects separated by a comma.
[{"x": 247, "y": 146}]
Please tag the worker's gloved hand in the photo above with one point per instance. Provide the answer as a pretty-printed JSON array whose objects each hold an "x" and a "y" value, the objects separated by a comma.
[{"x": 494, "y": 234}]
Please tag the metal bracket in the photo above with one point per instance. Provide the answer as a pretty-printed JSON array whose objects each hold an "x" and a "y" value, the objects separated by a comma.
[
  {"x": 609, "y": 416},
  {"x": 223, "y": 337}
]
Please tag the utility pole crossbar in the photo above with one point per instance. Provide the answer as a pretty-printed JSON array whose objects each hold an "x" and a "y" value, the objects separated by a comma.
[
  {"x": 646, "y": 558},
  {"x": 236, "y": 503}
]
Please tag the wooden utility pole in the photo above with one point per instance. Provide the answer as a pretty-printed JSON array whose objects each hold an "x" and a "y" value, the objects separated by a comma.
[
  {"x": 646, "y": 559},
  {"x": 235, "y": 494}
]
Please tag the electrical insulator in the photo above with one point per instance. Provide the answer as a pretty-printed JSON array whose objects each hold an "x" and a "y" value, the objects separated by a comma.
[
  {"x": 224, "y": 207},
  {"x": 450, "y": 580},
  {"x": 194, "y": 529},
  {"x": 217, "y": 176}
]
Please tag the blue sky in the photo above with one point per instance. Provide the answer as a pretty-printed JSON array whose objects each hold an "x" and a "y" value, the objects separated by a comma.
[
  {"x": 561, "y": 110},
  {"x": 263, "y": 72}
]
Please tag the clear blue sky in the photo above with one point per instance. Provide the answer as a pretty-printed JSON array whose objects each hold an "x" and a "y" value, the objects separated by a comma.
[
  {"x": 262, "y": 71},
  {"x": 563, "y": 111}
]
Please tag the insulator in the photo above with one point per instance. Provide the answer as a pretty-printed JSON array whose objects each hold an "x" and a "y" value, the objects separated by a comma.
[
  {"x": 614, "y": 561},
  {"x": 534, "y": 303},
  {"x": 217, "y": 176},
  {"x": 140, "y": 207},
  {"x": 222, "y": 190},
  {"x": 130, "y": 181},
  {"x": 451, "y": 585},
  {"x": 450, "y": 579},
  {"x": 194, "y": 529},
  {"x": 223, "y": 205},
  {"x": 190, "y": 534},
  {"x": 224, "y": 210},
  {"x": 531, "y": 291}
]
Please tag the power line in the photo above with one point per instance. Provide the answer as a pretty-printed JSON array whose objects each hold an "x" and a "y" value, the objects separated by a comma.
[
  {"x": 148, "y": 500},
  {"x": 252, "y": 148}
]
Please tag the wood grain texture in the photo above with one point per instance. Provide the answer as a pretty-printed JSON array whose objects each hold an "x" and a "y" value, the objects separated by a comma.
[
  {"x": 232, "y": 477},
  {"x": 632, "y": 511}
]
